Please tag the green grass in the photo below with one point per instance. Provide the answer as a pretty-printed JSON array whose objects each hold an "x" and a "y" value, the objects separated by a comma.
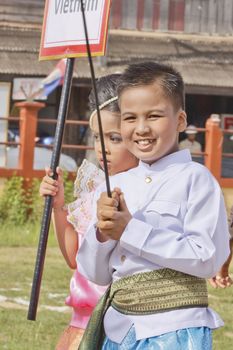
[
  {"x": 17, "y": 333},
  {"x": 26, "y": 236},
  {"x": 16, "y": 273},
  {"x": 221, "y": 300},
  {"x": 17, "y": 259}
]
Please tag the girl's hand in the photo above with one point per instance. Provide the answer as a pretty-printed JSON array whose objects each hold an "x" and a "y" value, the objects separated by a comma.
[
  {"x": 222, "y": 279},
  {"x": 54, "y": 188},
  {"x": 220, "y": 282}
]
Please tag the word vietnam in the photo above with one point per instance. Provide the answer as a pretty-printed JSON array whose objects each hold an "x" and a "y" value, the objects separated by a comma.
[{"x": 69, "y": 6}]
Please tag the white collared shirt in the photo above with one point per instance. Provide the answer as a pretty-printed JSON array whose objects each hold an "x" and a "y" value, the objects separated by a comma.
[{"x": 179, "y": 222}]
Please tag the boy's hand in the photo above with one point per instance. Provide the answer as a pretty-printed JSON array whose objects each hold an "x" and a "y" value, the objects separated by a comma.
[
  {"x": 113, "y": 215},
  {"x": 54, "y": 188}
]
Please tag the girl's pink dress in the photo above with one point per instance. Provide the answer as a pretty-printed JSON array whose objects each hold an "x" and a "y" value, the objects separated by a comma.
[{"x": 84, "y": 294}]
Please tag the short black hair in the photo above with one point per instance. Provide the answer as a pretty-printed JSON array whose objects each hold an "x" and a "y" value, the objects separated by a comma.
[
  {"x": 147, "y": 73},
  {"x": 106, "y": 89}
]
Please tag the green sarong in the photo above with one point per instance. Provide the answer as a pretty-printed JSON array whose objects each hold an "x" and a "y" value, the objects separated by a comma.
[{"x": 144, "y": 294}]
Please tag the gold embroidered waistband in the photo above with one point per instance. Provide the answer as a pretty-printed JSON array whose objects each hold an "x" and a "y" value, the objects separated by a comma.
[
  {"x": 143, "y": 294},
  {"x": 157, "y": 291}
]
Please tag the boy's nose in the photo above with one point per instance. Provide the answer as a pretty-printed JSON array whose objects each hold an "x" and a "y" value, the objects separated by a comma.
[{"x": 142, "y": 128}]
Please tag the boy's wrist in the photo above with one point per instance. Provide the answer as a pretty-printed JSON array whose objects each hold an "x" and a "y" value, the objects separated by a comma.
[{"x": 101, "y": 237}]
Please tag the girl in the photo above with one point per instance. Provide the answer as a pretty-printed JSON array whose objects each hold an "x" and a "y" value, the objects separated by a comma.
[
  {"x": 71, "y": 221},
  {"x": 223, "y": 278}
]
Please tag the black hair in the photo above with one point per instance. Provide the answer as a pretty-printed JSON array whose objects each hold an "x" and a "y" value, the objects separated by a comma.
[
  {"x": 106, "y": 89},
  {"x": 147, "y": 73}
]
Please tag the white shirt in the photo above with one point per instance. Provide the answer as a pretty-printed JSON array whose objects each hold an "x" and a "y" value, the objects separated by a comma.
[{"x": 179, "y": 222}]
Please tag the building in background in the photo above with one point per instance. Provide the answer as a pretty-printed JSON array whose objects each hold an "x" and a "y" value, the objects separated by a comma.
[{"x": 195, "y": 36}]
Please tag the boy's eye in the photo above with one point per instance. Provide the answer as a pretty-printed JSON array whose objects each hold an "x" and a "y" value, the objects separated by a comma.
[
  {"x": 154, "y": 116},
  {"x": 129, "y": 118}
]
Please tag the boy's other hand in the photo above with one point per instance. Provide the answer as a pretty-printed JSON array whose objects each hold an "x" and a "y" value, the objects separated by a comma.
[{"x": 113, "y": 215}]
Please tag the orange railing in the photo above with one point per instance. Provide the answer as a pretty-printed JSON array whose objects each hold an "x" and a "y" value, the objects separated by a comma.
[
  {"x": 212, "y": 155},
  {"x": 27, "y": 129},
  {"x": 213, "y": 149}
]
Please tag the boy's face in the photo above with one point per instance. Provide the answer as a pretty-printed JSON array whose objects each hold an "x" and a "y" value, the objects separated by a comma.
[{"x": 150, "y": 125}]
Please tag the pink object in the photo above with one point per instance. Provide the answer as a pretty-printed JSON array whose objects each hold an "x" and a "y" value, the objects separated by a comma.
[
  {"x": 83, "y": 297},
  {"x": 84, "y": 294}
]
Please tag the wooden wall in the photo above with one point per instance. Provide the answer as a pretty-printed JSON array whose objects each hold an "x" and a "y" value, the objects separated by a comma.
[
  {"x": 189, "y": 16},
  {"x": 21, "y": 11}
]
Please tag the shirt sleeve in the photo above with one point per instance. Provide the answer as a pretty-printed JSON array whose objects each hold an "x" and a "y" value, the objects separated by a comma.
[
  {"x": 199, "y": 245},
  {"x": 93, "y": 258}
]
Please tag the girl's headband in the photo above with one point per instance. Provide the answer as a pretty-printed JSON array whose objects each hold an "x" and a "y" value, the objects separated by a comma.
[{"x": 106, "y": 103}]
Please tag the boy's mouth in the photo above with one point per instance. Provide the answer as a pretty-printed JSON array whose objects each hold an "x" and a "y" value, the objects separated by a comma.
[{"x": 144, "y": 142}]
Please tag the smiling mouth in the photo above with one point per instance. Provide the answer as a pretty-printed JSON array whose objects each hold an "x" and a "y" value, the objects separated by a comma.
[
  {"x": 145, "y": 142},
  {"x": 145, "y": 145}
]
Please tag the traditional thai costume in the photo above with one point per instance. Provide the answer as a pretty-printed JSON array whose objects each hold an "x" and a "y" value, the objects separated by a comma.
[{"x": 177, "y": 237}]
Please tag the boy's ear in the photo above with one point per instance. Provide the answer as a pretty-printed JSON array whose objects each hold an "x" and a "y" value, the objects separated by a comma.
[{"x": 182, "y": 121}]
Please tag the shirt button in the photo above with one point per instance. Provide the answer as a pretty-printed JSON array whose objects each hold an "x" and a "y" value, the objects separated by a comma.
[
  {"x": 148, "y": 179},
  {"x": 123, "y": 257}
]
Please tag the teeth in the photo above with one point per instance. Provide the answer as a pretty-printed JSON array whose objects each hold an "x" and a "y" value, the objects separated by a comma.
[{"x": 144, "y": 142}]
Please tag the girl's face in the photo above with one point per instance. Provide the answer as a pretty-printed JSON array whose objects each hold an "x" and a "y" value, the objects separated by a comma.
[{"x": 118, "y": 157}]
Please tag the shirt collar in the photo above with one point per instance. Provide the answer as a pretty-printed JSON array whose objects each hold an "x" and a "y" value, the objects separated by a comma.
[{"x": 183, "y": 156}]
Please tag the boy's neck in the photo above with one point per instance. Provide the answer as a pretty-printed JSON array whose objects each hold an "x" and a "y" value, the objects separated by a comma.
[
  {"x": 175, "y": 150},
  {"x": 185, "y": 153}
]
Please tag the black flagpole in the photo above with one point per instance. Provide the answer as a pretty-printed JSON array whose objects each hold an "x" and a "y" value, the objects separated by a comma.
[
  {"x": 39, "y": 265},
  {"x": 63, "y": 108},
  {"x": 97, "y": 102}
]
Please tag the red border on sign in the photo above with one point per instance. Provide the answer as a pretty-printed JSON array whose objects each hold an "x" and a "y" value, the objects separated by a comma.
[{"x": 75, "y": 50}]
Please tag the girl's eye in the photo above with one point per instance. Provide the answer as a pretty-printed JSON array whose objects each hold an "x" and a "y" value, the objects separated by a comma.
[
  {"x": 96, "y": 137},
  {"x": 116, "y": 138}
]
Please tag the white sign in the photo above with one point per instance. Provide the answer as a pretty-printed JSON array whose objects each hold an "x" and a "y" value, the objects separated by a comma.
[{"x": 63, "y": 31}]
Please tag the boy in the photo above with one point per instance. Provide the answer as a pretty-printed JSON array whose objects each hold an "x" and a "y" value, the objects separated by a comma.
[{"x": 163, "y": 231}]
